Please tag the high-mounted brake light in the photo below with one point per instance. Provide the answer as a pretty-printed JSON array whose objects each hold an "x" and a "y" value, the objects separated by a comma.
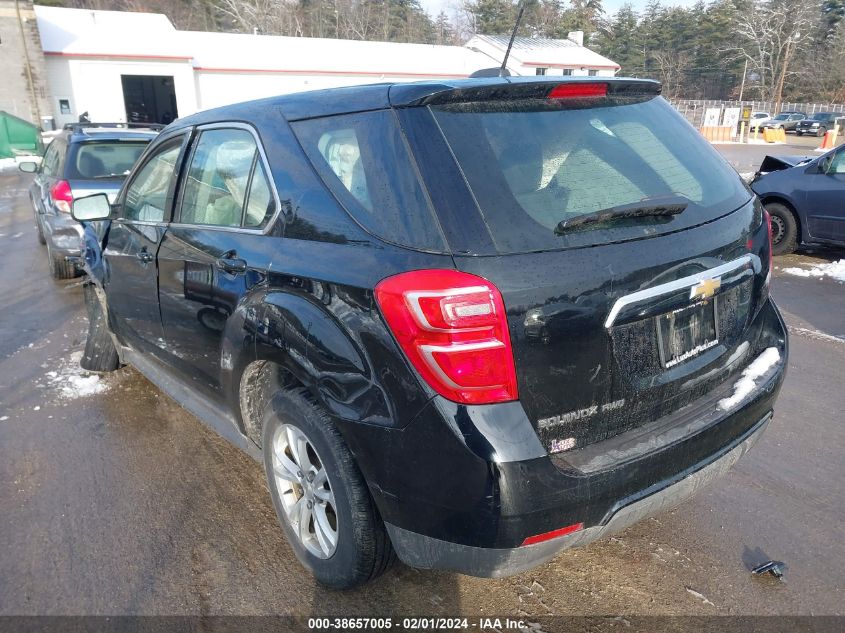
[
  {"x": 453, "y": 328},
  {"x": 62, "y": 196},
  {"x": 578, "y": 90},
  {"x": 548, "y": 536}
]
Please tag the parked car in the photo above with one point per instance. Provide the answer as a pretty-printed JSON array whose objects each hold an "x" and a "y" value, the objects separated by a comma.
[
  {"x": 757, "y": 118},
  {"x": 820, "y": 123},
  {"x": 804, "y": 195},
  {"x": 472, "y": 323},
  {"x": 784, "y": 121},
  {"x": 84, "y": 158}
]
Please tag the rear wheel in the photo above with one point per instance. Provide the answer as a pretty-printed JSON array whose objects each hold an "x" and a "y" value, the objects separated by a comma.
[
  {"x": 821, "y": 131},
  {"x": 784, "y": 228},
  {"x": 100, "y": 354},
  {"x": 320, "y": 496},
  {"x": 39, "y": 233},
  {"x": 799, "y": 132}
]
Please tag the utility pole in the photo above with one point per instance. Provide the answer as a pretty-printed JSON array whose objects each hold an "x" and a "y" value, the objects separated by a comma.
[
  {"x": 28, "y": 69},
  {"x": 742, "y": 86}
]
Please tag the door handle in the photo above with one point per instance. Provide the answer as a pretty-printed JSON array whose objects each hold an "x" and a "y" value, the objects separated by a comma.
[
  {"x": 231, "y": 264},
  {"x": 144, "y": 256}
]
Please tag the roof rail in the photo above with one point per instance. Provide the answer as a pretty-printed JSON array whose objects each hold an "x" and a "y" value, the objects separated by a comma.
[{"x": 78, "y": 128}]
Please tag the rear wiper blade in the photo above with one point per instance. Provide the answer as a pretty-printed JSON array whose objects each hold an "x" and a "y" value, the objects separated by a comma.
[{"x": 664, "y": 206}]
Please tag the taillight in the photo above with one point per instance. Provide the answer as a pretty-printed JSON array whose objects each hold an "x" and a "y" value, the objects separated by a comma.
[
  {"x": 768, "y": 280},
  {"x": 453, "y": 328},
  {"x": 578, "y": 90},
  {"x": 768, "y": 219},
  {"x": 62, "y": 196},
  {"x": 548, "y": 536}
]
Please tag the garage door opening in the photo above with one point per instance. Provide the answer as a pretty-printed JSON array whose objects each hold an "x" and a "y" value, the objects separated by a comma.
[{"x": 149, "y": 98}]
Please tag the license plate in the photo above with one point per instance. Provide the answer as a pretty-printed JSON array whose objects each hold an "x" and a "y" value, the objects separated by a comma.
[{"x": 687, "y": 332}]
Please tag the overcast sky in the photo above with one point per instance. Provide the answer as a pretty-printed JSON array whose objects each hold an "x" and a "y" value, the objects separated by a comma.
[{"x": 610, "y": 6}]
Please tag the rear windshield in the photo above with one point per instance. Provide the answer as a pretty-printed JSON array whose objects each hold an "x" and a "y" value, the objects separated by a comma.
[
  {"x": 104, "y": 159},
  {"x": 531, "y": 167},
  {"x": 364, "y": 161}
]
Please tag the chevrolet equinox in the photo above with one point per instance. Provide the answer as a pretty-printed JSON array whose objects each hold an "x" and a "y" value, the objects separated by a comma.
[{"x": 469, "y": 324}]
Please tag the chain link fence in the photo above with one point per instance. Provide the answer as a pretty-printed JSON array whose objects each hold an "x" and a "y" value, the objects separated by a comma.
[{"x": 693, "y": 109}]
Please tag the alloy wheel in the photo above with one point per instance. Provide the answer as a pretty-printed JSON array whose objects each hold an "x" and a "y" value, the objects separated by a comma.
[{"x": 305, "y": 491}]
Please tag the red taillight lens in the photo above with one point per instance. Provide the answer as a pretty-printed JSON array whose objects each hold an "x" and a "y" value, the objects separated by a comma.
[
  {"x": 768, "y": 219},
  {"x": 548, "y": 536},
  {"x": 578, "y": 90},
  {"x": 453, "y": 328},
  {"x": 62, "y": 196}
]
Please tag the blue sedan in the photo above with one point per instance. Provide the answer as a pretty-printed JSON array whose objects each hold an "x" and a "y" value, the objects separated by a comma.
[{"x": 805, "y": 197}]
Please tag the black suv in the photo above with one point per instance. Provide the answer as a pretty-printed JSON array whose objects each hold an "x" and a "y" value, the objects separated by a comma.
[
  {"x": 85, "y": 158},
  {"x": 820, "y": 123},
  {"x": 471, "y": 323}
]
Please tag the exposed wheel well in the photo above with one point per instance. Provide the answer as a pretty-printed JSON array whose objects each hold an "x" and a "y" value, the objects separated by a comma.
[
  {"x": 767, "y": 199},
  {"x": 260, "y": 381}
]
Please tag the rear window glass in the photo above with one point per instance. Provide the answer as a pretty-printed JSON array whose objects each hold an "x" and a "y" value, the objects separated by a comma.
[
  {"x": 105, "y": 160},
  {"x": 531, "y": 167},
  {"x": 364, "y": 161}
]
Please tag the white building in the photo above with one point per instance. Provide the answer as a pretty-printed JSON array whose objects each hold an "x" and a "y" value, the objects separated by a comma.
[
  {"x": 120, "y": 66},
  {"x": 540, "y": 56}
]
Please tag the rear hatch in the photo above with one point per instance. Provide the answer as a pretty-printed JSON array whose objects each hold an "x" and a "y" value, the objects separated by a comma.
[
  {"x": 638, "y": 312},
  {"x": 101, "y": 165}
]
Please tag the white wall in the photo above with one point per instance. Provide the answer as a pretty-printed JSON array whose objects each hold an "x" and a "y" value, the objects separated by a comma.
[
  {"x": 215, "y": 88},
  {"x": 94, "y": 85}
]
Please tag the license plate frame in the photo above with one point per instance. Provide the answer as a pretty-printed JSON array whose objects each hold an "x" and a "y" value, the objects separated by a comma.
[{"x": 684, "y": 333}]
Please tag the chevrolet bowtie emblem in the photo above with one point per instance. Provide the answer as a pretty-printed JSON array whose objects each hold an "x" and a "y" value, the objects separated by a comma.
[{"x": 705, "y": 288}]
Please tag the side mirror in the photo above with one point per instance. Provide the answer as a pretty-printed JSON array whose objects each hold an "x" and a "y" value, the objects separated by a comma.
[
  {"x": 28, "y": 167},
  {"x": 95, "y": 207}
]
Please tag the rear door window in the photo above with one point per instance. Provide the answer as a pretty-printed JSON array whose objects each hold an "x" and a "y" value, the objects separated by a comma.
[
  {"x": 226, "y": 184},
  {"x": 364, "y": 161},
  {"x": 531, "y": 166}
]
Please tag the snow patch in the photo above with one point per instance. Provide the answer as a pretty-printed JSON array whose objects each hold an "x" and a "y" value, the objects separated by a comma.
[
  {"x": 834, "y": 270},
  {"x": 699, "y": 595},
  {"x": 7, "y": 164},
  {"x": 73, "y": 382},
  {"x": 746, "y": 383}
]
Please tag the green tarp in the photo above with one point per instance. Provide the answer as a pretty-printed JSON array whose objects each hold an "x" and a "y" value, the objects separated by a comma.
[{"x": 18, "y": 136}]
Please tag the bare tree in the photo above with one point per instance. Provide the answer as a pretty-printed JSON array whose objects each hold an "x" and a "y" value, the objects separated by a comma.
[
  {"x": 770, "y": 35},
  {"x": 672, "y": 67}
]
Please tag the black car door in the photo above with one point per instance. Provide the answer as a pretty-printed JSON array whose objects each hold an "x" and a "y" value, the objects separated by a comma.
[
  {"x": 825, "y": 198},
  {"x": 142, "y": 210},
  {"x": 215, "y": 251}
]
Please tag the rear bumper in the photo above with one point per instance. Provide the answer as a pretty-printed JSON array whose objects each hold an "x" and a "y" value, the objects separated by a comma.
[
  {"x": 425, "y": 552},
  {"x": 64, "y": 235},
  {"x": 462, "y": 487}
]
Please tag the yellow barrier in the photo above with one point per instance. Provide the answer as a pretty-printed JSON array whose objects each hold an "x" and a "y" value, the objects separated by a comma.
[{"x": 774, "y": 136}]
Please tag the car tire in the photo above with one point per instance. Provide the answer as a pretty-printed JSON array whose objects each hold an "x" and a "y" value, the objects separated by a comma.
[
  {"x": 60, "y": 268},
  {"x": 100, "y": 354},
  {"x": 799, "y": 132},
  {"x": 821, "y": 132},
  {"x": 361, "y": 549},
  {"x": 40, "y": 234},
  {"x": 784, "y": 228}
]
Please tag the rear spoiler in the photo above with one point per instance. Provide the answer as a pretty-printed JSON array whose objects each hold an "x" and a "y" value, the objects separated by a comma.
[{"x": 490, "y": 89}]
